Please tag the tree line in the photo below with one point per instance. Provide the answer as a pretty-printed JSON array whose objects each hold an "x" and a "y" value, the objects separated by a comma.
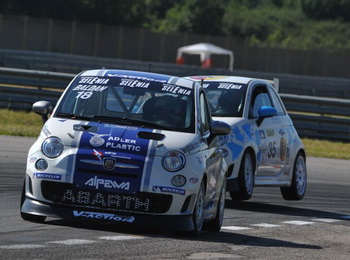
[{"x": 303, "y": 24}]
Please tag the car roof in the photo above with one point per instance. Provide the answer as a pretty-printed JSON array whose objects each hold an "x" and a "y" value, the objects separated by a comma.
[{"x": 139, "y": 75}]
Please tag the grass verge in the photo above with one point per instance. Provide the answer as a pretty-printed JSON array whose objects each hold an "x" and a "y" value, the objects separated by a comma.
[{"x": 18, "y": 123}]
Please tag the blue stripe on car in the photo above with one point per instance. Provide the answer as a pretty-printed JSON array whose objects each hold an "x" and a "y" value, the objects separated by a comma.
[{"x": 112, "y": 143}]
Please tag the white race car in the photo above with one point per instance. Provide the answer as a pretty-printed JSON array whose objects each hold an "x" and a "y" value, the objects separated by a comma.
[
  {"x": 264, "y": 148},
  {"x": 128, "y": 147}
]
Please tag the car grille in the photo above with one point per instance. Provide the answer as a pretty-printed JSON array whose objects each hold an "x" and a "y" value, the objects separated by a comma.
[{"x": 69, "y": 195}]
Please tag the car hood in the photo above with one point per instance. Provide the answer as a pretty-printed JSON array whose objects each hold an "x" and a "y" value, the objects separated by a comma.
[{"x": 119, "y": 138}]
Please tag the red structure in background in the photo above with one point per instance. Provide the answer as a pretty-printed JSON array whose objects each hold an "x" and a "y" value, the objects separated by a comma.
[{"x": 205, "y": 50}]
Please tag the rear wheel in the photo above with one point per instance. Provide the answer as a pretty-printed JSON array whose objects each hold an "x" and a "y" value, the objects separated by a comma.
[
  {"x": 245, "y": 178},
  {"x": 26, "y": 216},
  {"x": 198, "y": 213},
  {"x": 215, "y": 224},
  {"x": 299, "y": 180}
]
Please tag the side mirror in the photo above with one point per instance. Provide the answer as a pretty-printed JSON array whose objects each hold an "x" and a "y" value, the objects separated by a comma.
[
  {"x": 43, "y": 108},
  {"x": 220, "y": 128},
  {"x": 264, "y": 112}
]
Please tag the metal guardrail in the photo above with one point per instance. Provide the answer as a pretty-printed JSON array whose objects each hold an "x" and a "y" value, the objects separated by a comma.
[{"x": 313, "y": 117}]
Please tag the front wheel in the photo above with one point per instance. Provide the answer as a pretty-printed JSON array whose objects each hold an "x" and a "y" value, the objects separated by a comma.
[
  {"x": 245, "y": 178},
  {"x": 198, "y": 212},
  {"x": 299, "y": 180},
  {"x": 26, "y": 216}
]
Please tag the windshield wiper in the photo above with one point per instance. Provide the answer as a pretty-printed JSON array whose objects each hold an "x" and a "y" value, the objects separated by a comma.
[
  {"x": 130, "y": 121},
  {"x": 73, "y": 116},
  {"x": 110, "y": 119}
]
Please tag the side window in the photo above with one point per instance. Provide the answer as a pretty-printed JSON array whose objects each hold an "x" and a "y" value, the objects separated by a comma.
[
  {"x": 277, "y": 104},
  {"x": 260, "y": 98},
  {"x": 205, "y": 115}
]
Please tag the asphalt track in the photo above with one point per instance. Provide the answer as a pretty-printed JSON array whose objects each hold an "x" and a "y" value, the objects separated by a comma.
[{"x": 265, "y": 227}]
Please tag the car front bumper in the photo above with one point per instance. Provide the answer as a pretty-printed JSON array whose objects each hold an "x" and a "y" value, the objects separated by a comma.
[{"x": 170, "y": 222}]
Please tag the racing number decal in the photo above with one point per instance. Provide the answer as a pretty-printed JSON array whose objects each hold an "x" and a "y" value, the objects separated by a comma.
[
  {"x": 84, "y": 94},
  {"x": 272, "y": 150}
]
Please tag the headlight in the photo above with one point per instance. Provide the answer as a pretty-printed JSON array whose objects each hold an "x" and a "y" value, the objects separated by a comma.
[
  {"x": 173, "y": 161},
  {"x": 52, "y": 147}
]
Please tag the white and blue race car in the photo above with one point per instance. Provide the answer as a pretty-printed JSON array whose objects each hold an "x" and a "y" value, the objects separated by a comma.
[
  {"x": 128, "y": 147},
  {"x": 264, "y": 148}
]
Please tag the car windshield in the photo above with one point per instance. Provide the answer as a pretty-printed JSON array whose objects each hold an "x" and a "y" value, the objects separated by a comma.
[
  {"x": 225, "y": 99},
  {"x": 126, "y": 100}
]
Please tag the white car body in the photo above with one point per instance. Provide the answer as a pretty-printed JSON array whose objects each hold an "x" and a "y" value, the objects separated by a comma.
[
  {"x": 276, "y": 152},
  {"x": 111, "y": 166}
]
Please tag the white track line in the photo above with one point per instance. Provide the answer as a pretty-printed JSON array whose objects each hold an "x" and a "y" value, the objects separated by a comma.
[
  {"x": 298, "y": 222},
  {"x": 73, "y": 242},
  {"x": 114, "y": 238},
  {"x": 235, "y": 228}
]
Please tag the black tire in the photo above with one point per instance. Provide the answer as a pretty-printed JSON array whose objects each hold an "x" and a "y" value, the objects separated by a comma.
[
  {"x": 297, "y": 189},
  {"x": 198, "y": 212},
  {"x": 215, "y": 224},
  {"x": 26, "y": 216},
  {"x": 245, "y": 178}
]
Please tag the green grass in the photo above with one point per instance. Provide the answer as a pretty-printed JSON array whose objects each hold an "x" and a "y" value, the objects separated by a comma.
[{"x": 17, "y": 123}]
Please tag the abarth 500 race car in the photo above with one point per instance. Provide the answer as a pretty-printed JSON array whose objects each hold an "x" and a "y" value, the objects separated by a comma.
[
  {"x": 264, "y": 148},
  {"x": 128, "y": 147}
]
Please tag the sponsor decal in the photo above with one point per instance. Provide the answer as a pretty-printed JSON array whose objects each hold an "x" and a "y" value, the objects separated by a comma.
[
  {"x": 103, "y": 216},
  {"x": 70, "y": 135},
  {"x": 112, "y": 201},
  {"x": 176, "y": 89},
  {"x": 90, "y": 88},
  {"x": 93, "y": 80},
  {"x": 270, "y": 132},
  {"x": 46, "y": 130},
  {"x": 122, "y": 144},
  {"x": 262, "y": 134},
  {"x": 105, "y": 183},
  {"x": 190, "y": 147},
  {"x": 168, "y": 189},
  {"x": 50, "y": 176},
  {"x": 117, "y": 155},
  {"x": 109, "y": 163},
  {"x": 96, "y": 140},
  {"x": 134, "y": 83},
  {"x": 229, "y": 86},
  {"x": 32, "y": 159},
  {"x": 98, "y": 155},
  {"x": 283, "y": 149},
  {"x": 128, "y": 147},
  {"x": 135, "y": 77},
  {"x": 283, "y": 145}
]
